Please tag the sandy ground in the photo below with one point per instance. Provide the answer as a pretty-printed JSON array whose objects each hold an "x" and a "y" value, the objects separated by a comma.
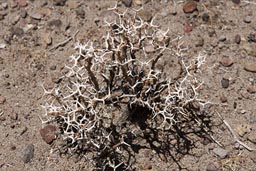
[{"x": 31, "y": 31}]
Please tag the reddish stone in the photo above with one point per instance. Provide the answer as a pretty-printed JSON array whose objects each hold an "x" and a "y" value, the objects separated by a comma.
[
  {"x": 49, "y": 133},
  {"x": 190, "y": 7},
  {"x": 22, "y": 3},
  {"x": 188, "y": 28}
]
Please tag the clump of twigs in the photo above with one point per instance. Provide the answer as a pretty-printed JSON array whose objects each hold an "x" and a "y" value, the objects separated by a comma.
[{"x": 114, "y": 92}]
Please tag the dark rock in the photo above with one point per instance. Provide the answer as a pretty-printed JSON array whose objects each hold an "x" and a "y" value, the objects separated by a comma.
[
  {"x": 205, "y": 17},
  {"x": 236, "y": 1},
  {"x": 224, "y": 83},
  {"x": 190, "y": 7},
  {"x": 127, "y": 3},
  {"x": 252, "y": 37},
  {"x": 199, "y": 42},
  {"x": 49, "y": 133},
  {"x": 237, "y": 39},
  {"x": 28, "y": 153},
  {"x": 59, "y": 2},
  {"x": 55, "y": 23}
]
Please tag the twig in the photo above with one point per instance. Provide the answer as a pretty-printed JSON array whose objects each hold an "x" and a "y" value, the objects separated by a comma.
[
  {"x": 234, "y": 135},
  {"x": 64, "y": 42}
]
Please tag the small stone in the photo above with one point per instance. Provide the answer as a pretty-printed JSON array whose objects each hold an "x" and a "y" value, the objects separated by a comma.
[
  {"x": 80, "y": 12},
  {"x": 236, "y": 1},
  {"x": 36, "y": 16},
  {"x": 205, "y": 17},
  {"x": 2, "y": 99},
  {"x": 28, "y": 153},
  {"x": 127, "y": 3},
  {"x": 149, "y": 48},
  {"x": 250, "y": 67},
  {"x": 14, "y": 115},
  {"x": 226, "y": 62},
  {"x": 4, "y": 5},
  {"x": 47, "y": 39},
  {"x": 248, "y": 19},
  {"x": 56, "y": 23},
  {"x": 213, "y": 166},
  {"x": 199, "y": 42},
  {"x": 222, "y": 38},
  {"x": 145, "y": 15},
  {"x": 251, "y": 89},
  {"x": 59, "y": 2},
  {"x": 148, "y": 166},
  {"x": 13, "y": 147},
  {"x": 53, "y": 67},
  {"x": 138, "y": 2},
  {"x": 188, "y": 28},
  {"x": 237, "y": 39},
  {"x": 190, "y": 7},
  {"x": 251, "y": 37},
  {"x": 223, "y": 98},
  {"x": 2, "y": 46},
  {"x": 73, "y": 4},
  {"x": 22, "y": 3},
  {"x": 250, "y": 49},
  {"x": 14, "y": 4},
  {"x": 243, "y": 129},
  {"x": 23, "y": 13},
  {"x": 49, "y": 133},
  {"x": 15, "y": 19},
  {"x": 252, "y": 137},
  {"x": 222, "y": 153},
  {"x": 224, "y": 83},
  {"x": 45, "y": 11},
  {"x": 17, "y": 31}
]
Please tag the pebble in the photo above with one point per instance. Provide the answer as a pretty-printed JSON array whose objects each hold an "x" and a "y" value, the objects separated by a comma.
[
  {"x": 45, "y": 11},
  {"x": 224, "y": 83},
  {"x": 237, "y": 39},
  {"x": 199, "y": 42},
  {"x": 14, "y": 4},
  {"x": 14, "y": 115},
  {"x": 47, "y": 39},
  {"x": 28, "y": 153},
  {"x": 145, "y": 15},
  {"x": 213, "y": 166},
  {"x": 189, "y": 7},
  {"x": 2, "y": 99},
  {"x": 250, "y": 67},
  {"x": 188, "y": 28},
  {"x": 13, "y": 147},
  {"x": 49, "y": 133},
  {"x": 223, "y": 98},
  {"x": 252, "y": 137},
  {"x": 2, "y": 46},
  {"x": 149, "y": 48},
  {"x": 17, "y": 31},
  {"x": 243, "y": 129},
  {"x": 23, "y": 13},
  {"x": 127, "y": 3},
  {"x": 222, "y": 38},
  {"x": 22, "y": 3},
  {"x": 236, "y": 1},
  {"x": 15, "y": 19},
  {"x": 59, "y": 2},
  {"x": 55, "y": 23},
  {"x": 251, "y": 37},
  {"x": 251, "y": 89},
  {"x": 248, "y": 19},
  {"x": 226, "y": 61},
  {"x": 205, "y": 17},
  {"x": 73, "y": 4},
  {"x": 80, "y": 12},
  {"x": 36, "y": 16},
  {"x": 4, "y": 5},
  {"x": 222, "y": 153}
]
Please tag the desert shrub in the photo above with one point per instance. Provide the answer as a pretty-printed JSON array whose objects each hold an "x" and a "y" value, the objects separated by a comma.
[{"x": 115, "y": 90}]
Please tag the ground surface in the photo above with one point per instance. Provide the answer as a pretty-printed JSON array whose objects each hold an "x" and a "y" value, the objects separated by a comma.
[{"x": 29, "y": 56}]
